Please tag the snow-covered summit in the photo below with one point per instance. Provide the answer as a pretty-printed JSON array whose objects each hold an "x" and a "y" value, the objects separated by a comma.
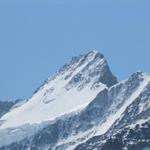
[
  {"x": 82, "y": 106},
  {"x": 74, "y": 86}
]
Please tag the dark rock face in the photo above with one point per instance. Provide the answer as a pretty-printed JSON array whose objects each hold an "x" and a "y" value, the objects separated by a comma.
[
  {"x": 5, "y": 107},
  {"x": 108, "y": 78},
  {"x": 137, "y": 138},
  {"x": 131, "y": 139}
]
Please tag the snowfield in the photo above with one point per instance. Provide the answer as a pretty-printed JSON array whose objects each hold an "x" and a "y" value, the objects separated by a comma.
[{"x": 55, "y": 98}]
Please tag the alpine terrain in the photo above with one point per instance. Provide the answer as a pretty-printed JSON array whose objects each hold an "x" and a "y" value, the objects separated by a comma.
[{"x": 81, "y": 107}]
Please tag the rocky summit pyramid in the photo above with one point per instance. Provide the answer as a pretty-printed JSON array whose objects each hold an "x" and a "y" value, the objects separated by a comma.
[
  {"x": 83, "y": 107},
  {"x": 73, "y": 87}
]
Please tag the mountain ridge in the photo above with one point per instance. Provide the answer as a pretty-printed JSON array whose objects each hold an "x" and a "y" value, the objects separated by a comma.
[
  {"x": 109, "y": 107},
  {"x": 88, "y": 73}
]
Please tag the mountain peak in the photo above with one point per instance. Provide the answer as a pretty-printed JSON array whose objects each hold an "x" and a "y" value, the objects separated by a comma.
[
  {"x": 92, "y": 53},
  {"x": 90, "y": 65},
  {"x": 81, "y": 59},
  {"x": 74, "y": 86},
  {"x": 139, "y": 75},
  {"x": 78, "y": 96}
]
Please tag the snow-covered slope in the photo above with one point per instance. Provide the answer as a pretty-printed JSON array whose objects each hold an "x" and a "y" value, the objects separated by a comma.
[
  {"x": 116, "y": 111},
  {"x": 73, "y": 87},
  {"x": 82, "y": 107}
]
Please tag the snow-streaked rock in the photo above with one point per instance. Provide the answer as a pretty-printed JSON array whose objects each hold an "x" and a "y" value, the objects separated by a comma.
[
  {"x": 82, "y": 107},
  {"x": 125, "y": 115},
  {"x": 68, "y": 92},
  {"x": 73, "y": 87}
]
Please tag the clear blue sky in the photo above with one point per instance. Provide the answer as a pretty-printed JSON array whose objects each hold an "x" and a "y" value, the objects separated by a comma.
[{"x": 38, "y": 36}]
